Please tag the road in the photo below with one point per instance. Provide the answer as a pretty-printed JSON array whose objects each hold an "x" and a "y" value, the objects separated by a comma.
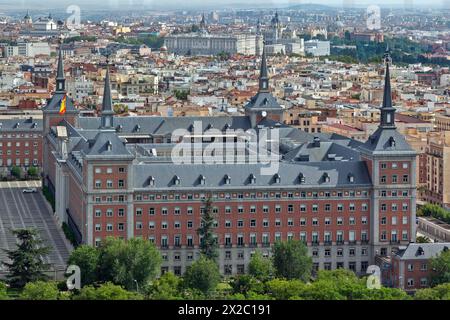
[{"x": 25, "y": 210}]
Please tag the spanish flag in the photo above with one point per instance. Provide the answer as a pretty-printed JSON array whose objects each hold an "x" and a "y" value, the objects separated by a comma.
[{"x": 62, "y": 108}]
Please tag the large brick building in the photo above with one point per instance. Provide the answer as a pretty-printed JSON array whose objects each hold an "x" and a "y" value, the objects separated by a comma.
[
  {"x": 410, "y": 269},
  {"x": 348, "y": 201},
  {"x": 20, "y": 144}
]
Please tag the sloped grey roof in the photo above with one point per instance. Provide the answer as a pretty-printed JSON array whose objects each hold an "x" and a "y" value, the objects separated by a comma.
[
  {"x": 379, "y": 142},
  {"x": 165, "y": 125},
  {"x": 99, "y": 146},
  {"x": 214, "y": 174},
  {"x": 21, "y": 125},
  {"x": 429, "y": 250},
  {"x": 308, "y": 152},
  {"x": 263, "y": 101},
  {"x": 54, "y": 104}
]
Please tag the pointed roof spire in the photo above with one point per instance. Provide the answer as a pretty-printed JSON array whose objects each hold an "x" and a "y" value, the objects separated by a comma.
[
  {"x": 60, "y": 70},
  {"x": 264, "y": 74},
  {"x": 387, "y": 118},
  {"x": 107, "y": 98},
  {"x": 60, "y": 79},
  {"x": 387, "y": 95}
]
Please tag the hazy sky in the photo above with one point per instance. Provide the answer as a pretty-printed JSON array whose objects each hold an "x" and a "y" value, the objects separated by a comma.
[{"x": 178, "y": 4}]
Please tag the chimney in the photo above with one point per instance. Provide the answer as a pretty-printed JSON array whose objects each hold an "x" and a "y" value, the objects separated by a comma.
[{"x": 316, "y": 142}]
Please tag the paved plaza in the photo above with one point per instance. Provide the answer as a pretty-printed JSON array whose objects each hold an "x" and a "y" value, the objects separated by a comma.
[{"x": 26, "y": 210}]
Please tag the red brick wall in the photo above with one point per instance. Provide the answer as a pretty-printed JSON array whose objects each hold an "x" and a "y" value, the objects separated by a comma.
[{"x": 34, "y": 144}]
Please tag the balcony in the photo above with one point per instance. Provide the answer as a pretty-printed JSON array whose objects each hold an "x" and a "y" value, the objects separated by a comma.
[
  {"x": 365, "y": 241},
  {"x": 394, "y": 242},
  {"x": 240, "y": 245},
  {"x": 315, "y": 243},
  {"x": 340, "y": 242},
  {"x": 352, "y": 242},
  {"x": 266, "y": 244},
  {"x": 253, "y": 245},
  {"x": 228, "y": 245},
  {"x": 328, "y": 242}
]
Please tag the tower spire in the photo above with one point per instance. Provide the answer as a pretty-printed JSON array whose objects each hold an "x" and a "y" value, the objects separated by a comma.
[
  {"x": 60, "y": 79},
  {"x": 107, "y": 110},
  {"x": 264, "y": 75},
  {"x": 387, "y": 118}
]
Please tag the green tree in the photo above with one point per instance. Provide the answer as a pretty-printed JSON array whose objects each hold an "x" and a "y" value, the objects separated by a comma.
[
  {"x": 291, "y": 260},
  {"x": 131, "y": 263},
  {"x": 87, "y": 258},
  {"x": 27, "y": 261},
  {"x": 282, "y": 289},
  {"x": 16, "y": 172},
  {"x": 40, "y": 290},
  {"x": 195, "y": 28},
  {"x": 202, "y": 275},
  {"x": 435, "y": 211},
  {"x": 181, "y": 94},
  {"x": 441, "y": 268},
  {"x": 167, "y": 287},
  {"x": 208, "y": 245},
  {"x": 423, "y": 239},
  {"x": 440, "y": 292},
  {"x": 3, "y": 291},
  {"x": 106, "y": 291},
  {"x": 246, "y": 283},
  {"x": 32, "y": 171},
  {"x": 260, "y": 267}
]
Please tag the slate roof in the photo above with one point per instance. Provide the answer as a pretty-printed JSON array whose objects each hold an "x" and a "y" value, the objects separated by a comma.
[
  {"x": 327, "y": 151},
  {"x": 380, "y": 143},
  {"x": 163, "y": 175},
  {"x": 54, "y": 103},
  {"x": 263, "y": 101},
  {"x": 422, "y": 250},
  {"x": 21, "y": 125},
  {"x": 165, "y": 125},
  {"x": 106, "y": 145}
]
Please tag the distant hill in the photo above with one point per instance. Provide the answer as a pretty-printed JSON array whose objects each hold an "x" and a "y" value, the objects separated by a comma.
[{"x": 310, "y": 6}]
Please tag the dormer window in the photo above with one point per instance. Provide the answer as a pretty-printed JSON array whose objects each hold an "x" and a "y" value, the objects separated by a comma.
[
  {"x": 109, "y": 146},
  {"x": 151, "y": 181},
  {"x": 276, "y": 178},
  {"x": 17, "y": 125},
  {"x": 252, "y": 179},
  {"x": 176, "y": 180},
  {"x": 351, "y": 178},
  {"x": 326, "y": 177},
  {"x": 301, "y": 178},
  {"x": 137, "y": 128},
  {"x": 391, "y": 142},
  {"x": 420, "y": 251},
  {"x": 227, "y": 179},
  {"x": 202, "y": 180},
  {"x": 119, "y": 128}
]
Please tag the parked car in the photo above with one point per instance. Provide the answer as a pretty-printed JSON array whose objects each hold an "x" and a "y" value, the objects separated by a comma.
[{"x": 29, "y": 190}]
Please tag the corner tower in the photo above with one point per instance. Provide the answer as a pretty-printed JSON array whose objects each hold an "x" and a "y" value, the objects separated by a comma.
[{"x": 391, "y": 163}]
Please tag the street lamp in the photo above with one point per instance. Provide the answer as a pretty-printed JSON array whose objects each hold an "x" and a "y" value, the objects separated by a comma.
[{"x": 137, "y": 285}]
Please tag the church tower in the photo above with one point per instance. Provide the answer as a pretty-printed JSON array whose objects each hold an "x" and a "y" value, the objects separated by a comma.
[
  {"x": 392, "y": 165},
  {"x": 263, "y": 105}
]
